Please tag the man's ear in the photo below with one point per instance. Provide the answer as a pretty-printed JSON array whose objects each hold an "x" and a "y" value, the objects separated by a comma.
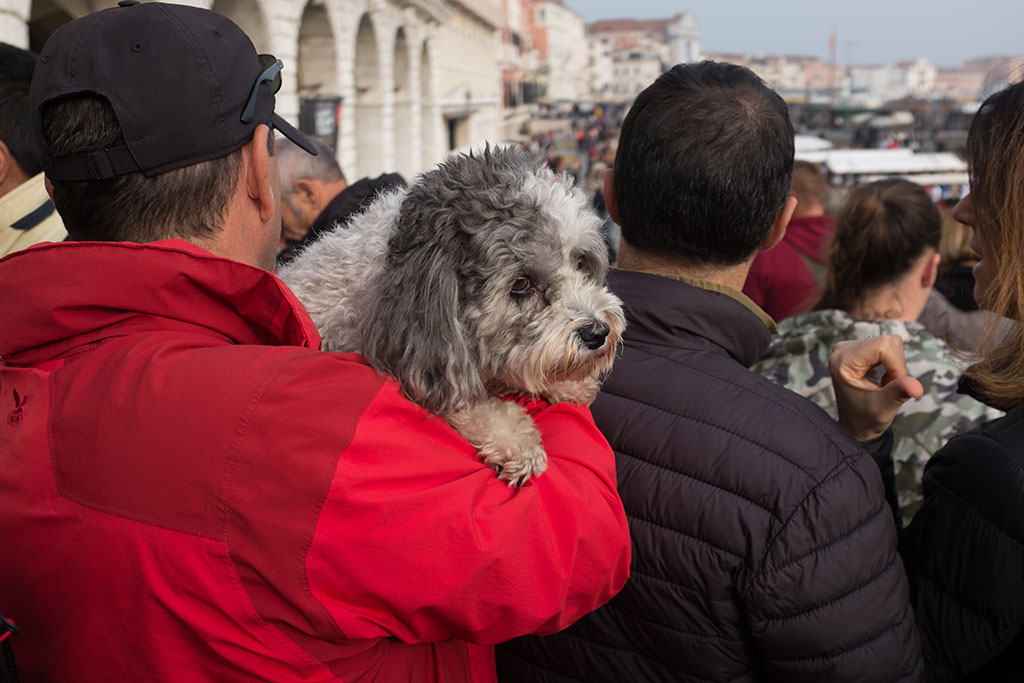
[
  {"x": 611, "y": 202},
  {"x": 306, "y": 193},
  {"x": 258, "y": 181},
  {"x": 5, "y": 162},
  {"x": 11, "y": 174},
  {"x": 782, "y": 219}
]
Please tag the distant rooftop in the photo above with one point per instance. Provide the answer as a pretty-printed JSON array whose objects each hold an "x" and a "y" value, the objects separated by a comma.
[{"x": 630, "y": 25}]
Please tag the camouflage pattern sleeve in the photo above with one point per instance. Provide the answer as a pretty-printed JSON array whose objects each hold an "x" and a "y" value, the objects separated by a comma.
[{"x": 798, "y": 360}]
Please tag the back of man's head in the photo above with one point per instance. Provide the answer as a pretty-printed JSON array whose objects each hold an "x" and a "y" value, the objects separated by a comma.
[
  {"x": 295, "y": 163},
  {"x": 810, "y": 188},
  {"x": 704, "y": 164},
  {"x": 16, "y": 66},
  {"x": 141, "y": 113}
]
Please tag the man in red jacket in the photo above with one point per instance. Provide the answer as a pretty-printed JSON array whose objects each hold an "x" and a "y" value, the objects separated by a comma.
[
  {"x": 171, "y": 506},
  {"x": 786, "y": 279}
]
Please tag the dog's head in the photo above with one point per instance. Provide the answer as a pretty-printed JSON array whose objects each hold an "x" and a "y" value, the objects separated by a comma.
[{"x": 493, "y": 282}]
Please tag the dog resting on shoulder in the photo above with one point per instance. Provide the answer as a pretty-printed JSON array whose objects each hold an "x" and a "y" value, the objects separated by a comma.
[{"x": 483, "y": 279}]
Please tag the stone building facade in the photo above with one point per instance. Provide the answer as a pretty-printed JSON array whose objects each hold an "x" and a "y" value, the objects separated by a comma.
[{"x": 367, "y": 76}]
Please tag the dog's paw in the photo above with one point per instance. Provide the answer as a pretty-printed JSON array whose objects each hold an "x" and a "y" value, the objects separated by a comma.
[
  {"x": 505, "y": 437},
  {"x": 581, "y": 391},
  {"x": 515, "y": 463}
]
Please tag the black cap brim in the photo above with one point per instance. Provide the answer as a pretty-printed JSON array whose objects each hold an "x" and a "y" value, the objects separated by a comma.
[{"x": 289, "y": 131}]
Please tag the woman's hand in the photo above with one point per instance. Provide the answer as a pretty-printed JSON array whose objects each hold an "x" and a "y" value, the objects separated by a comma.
[{"x": 867, "y": 405}]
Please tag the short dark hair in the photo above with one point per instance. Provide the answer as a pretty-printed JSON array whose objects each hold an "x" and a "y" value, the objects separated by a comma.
[
  {"x": 187, "y": 203},
  {"x": 704, "y": 164},
  {"x": 16, "y": 67}
]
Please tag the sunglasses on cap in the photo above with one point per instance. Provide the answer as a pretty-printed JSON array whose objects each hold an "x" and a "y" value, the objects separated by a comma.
[{"x": 271, "y": 74}]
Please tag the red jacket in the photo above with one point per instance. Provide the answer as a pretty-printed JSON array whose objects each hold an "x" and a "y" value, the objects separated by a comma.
[
  {"x": 189, "y": 491},
  {"x": 780, "y": 280}
]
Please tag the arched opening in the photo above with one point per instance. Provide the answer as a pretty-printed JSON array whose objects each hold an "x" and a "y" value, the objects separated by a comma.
[
  {"x": 369, "y": 144},
  {"x": 46, "y": 16},
  {"x": 249, "y": 17},
  {"x": 429, "y": 116},
  {"x": 319, "y": 104},
  {"x": 405, "y": 148}
]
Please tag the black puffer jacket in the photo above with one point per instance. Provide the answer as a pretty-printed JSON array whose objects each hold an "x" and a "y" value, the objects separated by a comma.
[
  {"x": 763, "y": 548},
  {"x": 965, "y": 554}
]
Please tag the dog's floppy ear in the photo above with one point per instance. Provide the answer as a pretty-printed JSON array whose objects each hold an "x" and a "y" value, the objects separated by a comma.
[{"x": 413, "y": 331}]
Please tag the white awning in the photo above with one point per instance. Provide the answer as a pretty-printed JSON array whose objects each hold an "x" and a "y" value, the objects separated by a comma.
[{"x": 886, "y": 162}]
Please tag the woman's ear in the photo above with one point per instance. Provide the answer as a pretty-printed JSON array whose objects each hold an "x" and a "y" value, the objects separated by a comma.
[{"x": 930, "y": 272}]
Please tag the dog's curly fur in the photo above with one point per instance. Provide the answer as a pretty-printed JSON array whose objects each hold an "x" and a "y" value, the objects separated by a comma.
[{"x": 482, "y": 279}]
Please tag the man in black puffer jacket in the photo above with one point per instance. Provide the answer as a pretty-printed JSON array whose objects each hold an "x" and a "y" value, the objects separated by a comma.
[{"x": 763, "y": 547}]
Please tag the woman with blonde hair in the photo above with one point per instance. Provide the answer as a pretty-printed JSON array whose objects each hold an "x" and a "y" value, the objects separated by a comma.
[
  {"x": 881, "y": 265},
  {"x": 964, "y": 550}
]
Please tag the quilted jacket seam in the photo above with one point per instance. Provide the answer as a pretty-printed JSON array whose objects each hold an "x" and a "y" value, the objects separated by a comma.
[
  {"x": 836, "y": 471},
  {"x": 871, "y": 579},
  {"x": 690, "y": 418},
  {"x": 633, "y": 653},
  {"x": 716, "y": 637},
  {"x": 634, "y": 572},
  {"x": 835, "y": 654},
  {"x": 698, "y": 480},
  {"x": 763, "y": 395},
  {"x": 683, "y": 533},
  {"x": 883, "y": 509}
]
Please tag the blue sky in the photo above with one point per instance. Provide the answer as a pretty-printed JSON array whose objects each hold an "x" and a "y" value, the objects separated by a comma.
[{"x": 867, "y": 31}]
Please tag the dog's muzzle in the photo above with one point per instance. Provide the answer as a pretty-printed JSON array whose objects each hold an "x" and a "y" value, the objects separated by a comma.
[{"x": 593, "y": 334}]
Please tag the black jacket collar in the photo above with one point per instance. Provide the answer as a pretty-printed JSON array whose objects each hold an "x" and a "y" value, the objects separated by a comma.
[{"x": 667, "y": 312}]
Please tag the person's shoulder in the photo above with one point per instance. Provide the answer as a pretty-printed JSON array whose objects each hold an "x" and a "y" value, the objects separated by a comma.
[
  {"x": 983, "y": 470},
  {"x": 994, "y": 449},
  {"x": 793, "y": 422},
  {"x": 315, "y": 373},
  {"x": 798, "y": 355},
  {"x": 715, "y": 393}
]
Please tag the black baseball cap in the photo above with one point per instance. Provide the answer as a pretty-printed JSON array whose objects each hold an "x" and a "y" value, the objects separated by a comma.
[{"x": 185, "y": 83}]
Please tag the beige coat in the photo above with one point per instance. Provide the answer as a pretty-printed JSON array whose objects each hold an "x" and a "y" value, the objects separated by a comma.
[{"x": 19, "y": 205}]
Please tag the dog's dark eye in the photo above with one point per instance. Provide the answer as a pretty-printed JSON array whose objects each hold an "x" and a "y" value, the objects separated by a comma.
[
  {"x": 521, "y": 285},
  {"x": 580, "y": 261}
]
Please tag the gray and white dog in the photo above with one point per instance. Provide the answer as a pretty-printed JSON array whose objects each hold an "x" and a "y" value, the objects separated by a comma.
[{"x": 482, "y": 279}]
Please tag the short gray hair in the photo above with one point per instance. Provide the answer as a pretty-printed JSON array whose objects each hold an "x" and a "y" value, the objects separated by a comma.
[{"x": 295, "y": 163}]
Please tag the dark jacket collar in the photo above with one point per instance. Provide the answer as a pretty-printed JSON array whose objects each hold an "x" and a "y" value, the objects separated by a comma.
[
  {"x": 352, "y": 199},
  {"x": 675, "y": 313}
]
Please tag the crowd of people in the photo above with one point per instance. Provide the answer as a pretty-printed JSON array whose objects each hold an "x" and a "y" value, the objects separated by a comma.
[{"x": 806, "y": 464}]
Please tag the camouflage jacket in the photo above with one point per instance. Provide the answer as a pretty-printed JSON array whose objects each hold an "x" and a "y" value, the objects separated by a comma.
[{"x": 798, "y": 360}]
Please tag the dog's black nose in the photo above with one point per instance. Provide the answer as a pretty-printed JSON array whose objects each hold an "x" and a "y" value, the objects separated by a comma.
[{"x": 594, "y": 334}]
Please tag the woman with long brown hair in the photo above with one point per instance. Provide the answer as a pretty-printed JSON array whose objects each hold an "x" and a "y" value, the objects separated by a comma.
[
  {"x": 880, "y": 268},
  {"x": 964, "y": 550}
]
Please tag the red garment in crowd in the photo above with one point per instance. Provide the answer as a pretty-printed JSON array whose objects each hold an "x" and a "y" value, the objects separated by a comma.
[
  {"x": 780, "y": 280},
  {"x": 189, "y": 491}
]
